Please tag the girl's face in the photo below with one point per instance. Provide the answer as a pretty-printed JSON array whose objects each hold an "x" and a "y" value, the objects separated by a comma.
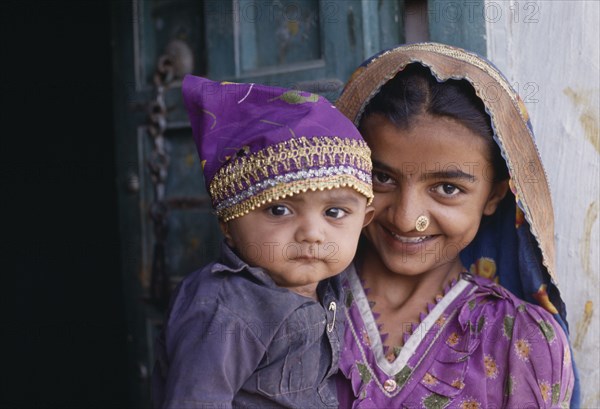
[{"x": 439, "y": 169}]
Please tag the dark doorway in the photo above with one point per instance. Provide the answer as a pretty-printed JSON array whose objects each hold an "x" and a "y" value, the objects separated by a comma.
[{"x": 62, "y": 314}]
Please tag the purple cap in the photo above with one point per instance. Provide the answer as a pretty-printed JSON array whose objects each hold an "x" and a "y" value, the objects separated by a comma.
[{"x": 258, "y": 144}]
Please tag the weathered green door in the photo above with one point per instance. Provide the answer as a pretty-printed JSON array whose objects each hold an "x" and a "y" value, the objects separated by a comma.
[{"x": 167, "y": 227}]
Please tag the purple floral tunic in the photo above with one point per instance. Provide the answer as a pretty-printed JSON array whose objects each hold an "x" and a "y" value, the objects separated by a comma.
[{"x": 478, "y": 347}]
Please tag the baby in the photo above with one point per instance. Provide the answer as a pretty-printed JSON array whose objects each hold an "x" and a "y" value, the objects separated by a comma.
[{"x": 290, "y": 180}]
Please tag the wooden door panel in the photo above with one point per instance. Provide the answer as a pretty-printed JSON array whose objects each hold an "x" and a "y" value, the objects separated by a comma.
[
  {"x": 276, "y": 35},
  {"x": 308, "y": 44}
]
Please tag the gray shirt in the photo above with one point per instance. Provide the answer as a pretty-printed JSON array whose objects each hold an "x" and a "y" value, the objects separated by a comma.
[{"x": 234, "y": 339}]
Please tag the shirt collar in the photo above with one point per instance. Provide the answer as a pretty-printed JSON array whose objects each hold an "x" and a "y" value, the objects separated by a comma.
[{"x": 230, "y": 262}]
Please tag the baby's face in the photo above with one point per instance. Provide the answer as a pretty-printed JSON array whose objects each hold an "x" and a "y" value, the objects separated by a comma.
[{"x": 303, "y": 239}]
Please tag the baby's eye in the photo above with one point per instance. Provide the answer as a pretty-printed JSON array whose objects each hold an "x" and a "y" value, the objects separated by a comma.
[
  {"x": 380, "y": 177},
  {"x": 279, "y": 210},
  {"x": 335, "y": 212},
  {"x": 446, "y": 189}
]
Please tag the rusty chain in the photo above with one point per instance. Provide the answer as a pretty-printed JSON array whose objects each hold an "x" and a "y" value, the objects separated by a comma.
[{"x": 158, "y": 165}]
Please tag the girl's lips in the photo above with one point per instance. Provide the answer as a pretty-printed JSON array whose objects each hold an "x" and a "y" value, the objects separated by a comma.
[
  {"x": 407, "y": 239},
  {"x": 410, "y": 240}
]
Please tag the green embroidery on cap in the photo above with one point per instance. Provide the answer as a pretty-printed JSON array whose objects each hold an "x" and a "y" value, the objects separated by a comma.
[{"x": 294, "y": 97}]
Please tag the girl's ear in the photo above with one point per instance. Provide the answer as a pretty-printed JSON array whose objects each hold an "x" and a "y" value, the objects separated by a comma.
[
  {"x": 225, "y": 230},
  {"x": 499, "y": 190},
  {"x": 369, "y": 214}
]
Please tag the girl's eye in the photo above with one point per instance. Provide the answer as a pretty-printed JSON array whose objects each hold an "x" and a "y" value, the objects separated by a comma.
[
  {"x": 380, "y": 177},
  {"x": 279, "y": 210},
  {"x": 335, "y": 212},
  {"x": 447, "y": 189}
]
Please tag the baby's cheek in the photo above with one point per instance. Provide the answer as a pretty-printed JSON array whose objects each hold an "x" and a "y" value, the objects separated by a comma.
[
  {"x": 339, "y": 255},
  {"x": 330, "y": 252}
]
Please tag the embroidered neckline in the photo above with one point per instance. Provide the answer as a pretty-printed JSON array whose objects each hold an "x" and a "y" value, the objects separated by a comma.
[
  {"x": 409, "y": 348},
  {"x": 391, "y": 352}
]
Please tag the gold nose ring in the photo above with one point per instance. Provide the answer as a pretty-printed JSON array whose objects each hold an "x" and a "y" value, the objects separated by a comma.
[{"x": 421, "y": 223}]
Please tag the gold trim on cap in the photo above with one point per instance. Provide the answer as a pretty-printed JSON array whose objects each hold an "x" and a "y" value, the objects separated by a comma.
[
  {"x": 290, "y": 189},
  {"x": 290, "y": 167}
]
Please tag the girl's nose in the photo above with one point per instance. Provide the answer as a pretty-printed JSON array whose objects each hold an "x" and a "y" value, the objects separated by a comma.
[{"x": 404, "y": 210}]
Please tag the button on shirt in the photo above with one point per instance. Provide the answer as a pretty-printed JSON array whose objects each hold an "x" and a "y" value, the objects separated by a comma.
[{"x": 233, "y": 338}]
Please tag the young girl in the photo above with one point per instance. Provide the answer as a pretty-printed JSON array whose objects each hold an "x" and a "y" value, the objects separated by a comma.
[{"x": 462, "y": 216}]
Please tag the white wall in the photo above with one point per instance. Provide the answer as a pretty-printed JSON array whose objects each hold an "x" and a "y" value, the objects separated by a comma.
[{"x": 549, "y": 49}]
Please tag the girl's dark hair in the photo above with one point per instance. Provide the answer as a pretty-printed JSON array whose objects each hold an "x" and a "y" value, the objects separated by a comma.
[{"x": 415, "y": 91}]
